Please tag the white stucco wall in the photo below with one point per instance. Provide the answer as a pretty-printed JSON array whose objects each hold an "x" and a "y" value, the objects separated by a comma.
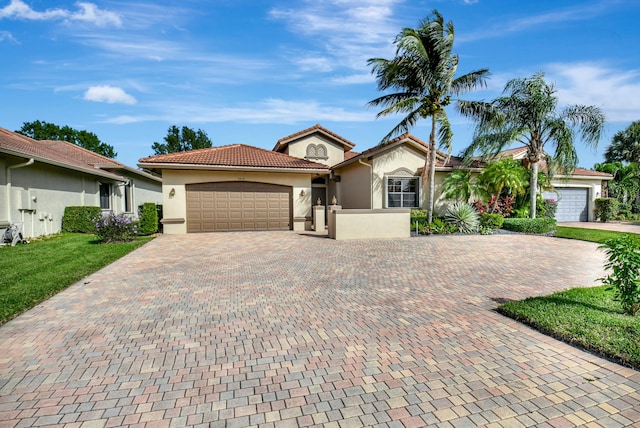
[
  {"x": 175, "y": 207},
  {"x": 401, "y": 157},
  {"x": 354, "y": 189},
  {"x": 298, "y": 148},
  {"x": 40, "y": 192}
]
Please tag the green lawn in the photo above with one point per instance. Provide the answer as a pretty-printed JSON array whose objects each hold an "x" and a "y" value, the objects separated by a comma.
[
  {"x": 586, "y": 317},
  {"x": 591, "y": 235},
  {"x": 34, "y": 272}
]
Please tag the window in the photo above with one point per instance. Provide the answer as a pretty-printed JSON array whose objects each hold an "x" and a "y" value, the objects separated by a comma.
[
  {"x": 402, "y": 192},
  {"x": 127, "y": 197},
  {"x": 105, "y": 196}
]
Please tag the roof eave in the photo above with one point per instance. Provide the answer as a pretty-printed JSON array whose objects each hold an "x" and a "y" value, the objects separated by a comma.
[
  {"x": 88, "y": 170},
  {"x": 160, "y": 166}
]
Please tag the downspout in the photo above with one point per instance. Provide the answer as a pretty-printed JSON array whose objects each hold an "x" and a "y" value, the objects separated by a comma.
[
  {"x": 370, "y": 182},
  {"x": 8, "y": 181}
]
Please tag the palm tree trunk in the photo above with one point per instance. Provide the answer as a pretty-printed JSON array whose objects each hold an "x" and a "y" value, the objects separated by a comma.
[
  {"x": 432, "y": 168},
  {"x": 533, "y": 189}
]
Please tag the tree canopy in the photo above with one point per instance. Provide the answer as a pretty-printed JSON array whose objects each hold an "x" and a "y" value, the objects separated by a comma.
[
  {"x": 181, "y": 140},
  {"x": 422, "y": 79},
  {"x": 625, "y": 145},
  {"x": 39, "y": 130},
  {"x": 527, "y": 113}
]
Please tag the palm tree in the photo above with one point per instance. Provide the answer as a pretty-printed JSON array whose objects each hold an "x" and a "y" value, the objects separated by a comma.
[
  {"x": 506, "y": 174},
  {"x": 625, "y": 145},
  {"x": 422, "y": 78},
  {"x": 527, "y": 113},
  {"x": 459, "y": 185}
]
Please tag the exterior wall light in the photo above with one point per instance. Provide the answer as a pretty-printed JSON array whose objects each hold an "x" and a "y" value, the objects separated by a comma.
[{"x": 172, "y": 192}]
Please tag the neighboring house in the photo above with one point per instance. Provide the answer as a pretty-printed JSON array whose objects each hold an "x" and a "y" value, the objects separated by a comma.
[
  {"x": 240, "y": 187},
  {"x": 38, "y": 179}
]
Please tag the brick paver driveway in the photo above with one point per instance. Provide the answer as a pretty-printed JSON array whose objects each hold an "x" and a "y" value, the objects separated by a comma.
[{"x": 280, "y": 329}]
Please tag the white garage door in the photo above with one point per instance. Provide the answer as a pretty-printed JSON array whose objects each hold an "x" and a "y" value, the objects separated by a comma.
[{"x": 573, "y": 203}]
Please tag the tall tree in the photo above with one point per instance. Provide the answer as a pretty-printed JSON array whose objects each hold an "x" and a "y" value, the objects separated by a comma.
[
  {"x": 625, "y": 145},
  {"x": 48, "y": 131},
  {"x": 422, "y": 78},
  {"x": 181, "y": 140},
  {"x": 527, "y": 113},
  {"x": 505, "y": 174}
]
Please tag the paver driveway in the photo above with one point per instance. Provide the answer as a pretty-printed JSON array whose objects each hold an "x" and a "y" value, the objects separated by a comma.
[{"x": 279, "y": 329}]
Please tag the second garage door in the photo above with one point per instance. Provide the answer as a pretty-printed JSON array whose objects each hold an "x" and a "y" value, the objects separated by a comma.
[
  {"x": 238, "y": 205},
  {"x": 573, "y": 203}
]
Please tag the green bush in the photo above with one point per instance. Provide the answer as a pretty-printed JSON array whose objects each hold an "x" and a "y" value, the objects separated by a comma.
[
  {"x": 114, "y": 228},
  {"x": 491, "y": 221},
  {"x": 463, "y": 216},
  {"x": 437, "y": 227},
  {"x": 606, "y": 209},
  {"x": 623, "y": 259},
  {"x": 148, "y": 216},
  {"x": 529, "y": 225},
  {"x": 80, "y": 219}
]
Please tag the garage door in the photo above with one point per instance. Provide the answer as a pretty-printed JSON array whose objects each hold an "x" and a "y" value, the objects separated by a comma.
[
  {"x": 241, "y": 205},
  {"x": 573, "y": 203}
]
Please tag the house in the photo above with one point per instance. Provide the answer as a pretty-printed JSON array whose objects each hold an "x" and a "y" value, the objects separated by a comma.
[
  {"x": 240, "y": 187},
  {"x": 38, "y": 179}
]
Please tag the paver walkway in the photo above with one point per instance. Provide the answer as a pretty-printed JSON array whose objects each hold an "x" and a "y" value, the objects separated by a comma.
[{"x": 279, "y": 329}]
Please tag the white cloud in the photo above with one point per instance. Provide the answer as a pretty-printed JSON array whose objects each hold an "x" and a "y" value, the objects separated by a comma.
[
  {"x": 108, "y": 94},
  {"x": 347, "y": 32},
  {"x": 269, "y": 111},
  {"x": 5, "y": 35},
  {"x": 86, "y": 12},
  {"x": 615, "y": 91},
  {"x": 505, "y": 26}
]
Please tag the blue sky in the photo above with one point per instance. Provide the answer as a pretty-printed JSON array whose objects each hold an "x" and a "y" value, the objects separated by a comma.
[{"x": 253, "y": 71}]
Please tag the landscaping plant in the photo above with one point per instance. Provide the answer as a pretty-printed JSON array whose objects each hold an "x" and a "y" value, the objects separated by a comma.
[
  {"x": 623, "y": 259},
  {"x": 530, "y": 225},
  {"x": 148, "y": 215},
  {"x": 115, "y": 228},
  {"x": 463, "y": 216},
  {"x": 606, "y": 209}
]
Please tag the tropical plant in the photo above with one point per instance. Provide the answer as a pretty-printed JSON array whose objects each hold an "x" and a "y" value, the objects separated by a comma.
[
  {"x": 625, "y": 145},
  {"x": 625, "y": 185},
  {"x": 115, "y": 228},
  {"x": 606, "y": 209},
  {"x": 463, "y": 216},
  {"x": 422, "y": 80},
  {"x": 505, "y": 175},
  {"x": 527, "y": 113},
  {"x": 623, "y": 259},
  {"x": 459, "y": 185}
]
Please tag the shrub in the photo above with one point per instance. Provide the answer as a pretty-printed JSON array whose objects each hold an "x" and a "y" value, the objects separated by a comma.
[
  {"x": 437, "y": 227},
  {"x": 80, "y": 219},
  {"x": 623, "y": 259},
  {"x": 463, "y": 216},
  {"x": 547, "y": 208},
  {"x": 115, "y": 228},
  {"x": 606, "y": 209},
  {"x": 148, "y": 215},
  {"x": 491, "y": 221},
  {"x": 529, "y": 225},
  {"x": 503, "y": 207}
]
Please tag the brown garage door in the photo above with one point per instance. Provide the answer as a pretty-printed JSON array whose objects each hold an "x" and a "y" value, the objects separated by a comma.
[{"x": 238, "y": 205}]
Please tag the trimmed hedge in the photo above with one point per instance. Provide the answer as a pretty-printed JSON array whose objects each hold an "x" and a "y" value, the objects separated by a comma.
[
  {"x": 80, "y": 219},
  {"x": 491, "y": 221},
  {"x": 606, "y": 209},
  {"x": 148, "y": 215},
  {"x": 530, "y": 225}
]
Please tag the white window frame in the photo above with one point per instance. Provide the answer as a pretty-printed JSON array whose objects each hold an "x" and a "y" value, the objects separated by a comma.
[{"x": 402, "y": 193}]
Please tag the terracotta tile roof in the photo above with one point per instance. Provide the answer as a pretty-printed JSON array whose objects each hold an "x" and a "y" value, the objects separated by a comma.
[
  {"x": 239, "y": 155},
  {"x": 57, "y": 152},
  {"x": 348, "y": 145},
  {"x": 349, "y": 155}
]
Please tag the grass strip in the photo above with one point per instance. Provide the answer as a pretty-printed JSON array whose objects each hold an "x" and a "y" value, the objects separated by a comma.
[
  {"x": 587, "y": 317},
  {"x": 591, "y": 235},
  {"x": 34, "y": 272}
]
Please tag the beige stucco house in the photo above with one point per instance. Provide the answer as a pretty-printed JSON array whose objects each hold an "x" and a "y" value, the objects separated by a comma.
[
  {"x": 240, "y": 187},
  {"x": 38, "y": 179}
]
